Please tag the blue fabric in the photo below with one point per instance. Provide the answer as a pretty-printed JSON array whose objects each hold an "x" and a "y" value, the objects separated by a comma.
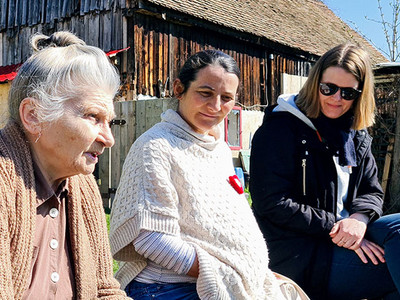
[
  {"x": 350, "y": 278},
  {"x": 169, "y": 291}
]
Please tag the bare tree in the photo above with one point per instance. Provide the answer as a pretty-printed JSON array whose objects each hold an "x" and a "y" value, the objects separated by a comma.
[{"x": 390, "y": 29}]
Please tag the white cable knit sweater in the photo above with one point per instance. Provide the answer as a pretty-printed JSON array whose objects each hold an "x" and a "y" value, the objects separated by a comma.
[{"x": 176, "y": 181}]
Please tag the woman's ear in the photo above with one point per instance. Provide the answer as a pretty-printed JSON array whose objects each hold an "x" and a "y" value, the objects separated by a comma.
[
  {"x": 27, "y": 114},
  {"x": 178, "y": 88}
]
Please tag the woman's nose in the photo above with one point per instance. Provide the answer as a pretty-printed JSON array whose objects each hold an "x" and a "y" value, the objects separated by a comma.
[
  {"x": 338, "y": 95},
  {"x": 215, "y": 103},
  {"x": 105, "y": 136}
]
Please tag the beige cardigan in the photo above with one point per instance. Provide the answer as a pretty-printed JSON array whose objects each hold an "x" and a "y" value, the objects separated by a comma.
[{"x": 87, "y": 226}]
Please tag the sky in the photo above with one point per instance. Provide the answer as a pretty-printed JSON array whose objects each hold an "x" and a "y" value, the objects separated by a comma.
[{"x": 353, "y": 12}]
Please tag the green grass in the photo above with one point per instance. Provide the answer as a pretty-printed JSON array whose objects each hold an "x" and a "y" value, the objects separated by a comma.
[
  {"x": 115, "y": 263},
  {"x": 246, "y": 191}
]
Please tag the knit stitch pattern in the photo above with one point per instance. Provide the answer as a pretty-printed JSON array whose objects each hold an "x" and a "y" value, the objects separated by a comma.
[
  {"x": 175, "y": 181},
  {"x": 87, "y": 226}
]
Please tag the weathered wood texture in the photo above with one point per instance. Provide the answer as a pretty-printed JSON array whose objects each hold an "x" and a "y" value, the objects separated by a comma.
[
  {"x": 161, "y": 48},
  {"x": 97, "y": 22},
  {"x": 386, "y": 134},
  {"x": 136, "y": 117}
]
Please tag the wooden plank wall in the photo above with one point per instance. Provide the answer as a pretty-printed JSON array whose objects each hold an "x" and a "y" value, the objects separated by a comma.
[
  {"x": 280, "y": 64},
  {"x": 161, "y": 48},
  {"x": 138, "y": 116},
  {"x": 98, "y": 23}
]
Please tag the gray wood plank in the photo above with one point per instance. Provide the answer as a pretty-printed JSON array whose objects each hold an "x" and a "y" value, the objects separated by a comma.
[
  {"x": 108, "y": 4},
  {"x": 94, "y": 28},
  {"x": 94, "y": 5},
  {"x": 117, "y": 30},
  {"x": 33, "y": 13},
  {"x": 3, "y": 14},
  {"x": 115, "y": 151},
  {"x": 11, "y": 13},
  {"x": 1, "y": 49},
  {"x": 24, "y": 44},
  {"x": 43, "y": 10},
  {"x": 87, "y": 33},
  {"x": 9, "y": 51},
  {"x": 49, "y": 8},
  {"x": 87, "y": 6},
  {"x": 106, "y": 31},
  {"x": 104, "y": 176},
  {"x": 66, "y": 9},
  {"x": 17, "y": 13},
  {"x": 54, "y": 10},
  {"x": 140, "y": 115},
  {"x": 18, "y": 43},
  {"x": 82, "y": 7},
  {"x": 25, "y": 5}
]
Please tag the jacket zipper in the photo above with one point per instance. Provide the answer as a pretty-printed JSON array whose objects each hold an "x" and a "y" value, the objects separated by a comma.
[{"x": 303, "y": 164}]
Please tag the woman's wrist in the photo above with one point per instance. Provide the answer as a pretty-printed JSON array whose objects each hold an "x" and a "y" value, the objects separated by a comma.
[{"x": 360, "y": 217}]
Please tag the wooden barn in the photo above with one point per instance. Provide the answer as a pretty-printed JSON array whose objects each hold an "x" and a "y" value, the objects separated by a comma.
[
  {"x": 275, "y": 43},
  {"x": 267, "y": 37}
]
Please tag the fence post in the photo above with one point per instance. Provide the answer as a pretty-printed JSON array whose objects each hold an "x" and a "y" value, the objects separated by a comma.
[
  {"x": 395, "y": 181},
  {"x": 134, "y": 118}
]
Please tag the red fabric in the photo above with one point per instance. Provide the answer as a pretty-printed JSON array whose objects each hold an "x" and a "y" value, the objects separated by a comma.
[
  {"x": 236, "y": 184},
  {"x": 112, "y": 53},
  {"x": 8, "y": 73}
]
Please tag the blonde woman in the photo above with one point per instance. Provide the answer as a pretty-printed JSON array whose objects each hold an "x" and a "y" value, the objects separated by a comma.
[{"x": 314, "y": 185}]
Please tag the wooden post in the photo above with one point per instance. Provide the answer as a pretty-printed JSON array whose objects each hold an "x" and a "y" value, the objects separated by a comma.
[
  {"x": 134, "y": 118},
  {"x": 395, "y": 180},
  {"x": 386, "y": 168}
]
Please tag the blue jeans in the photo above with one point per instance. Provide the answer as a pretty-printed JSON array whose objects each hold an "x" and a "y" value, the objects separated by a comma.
[
  {"x": 167, "y": 291},
  {"x": 350, "y": 278}
]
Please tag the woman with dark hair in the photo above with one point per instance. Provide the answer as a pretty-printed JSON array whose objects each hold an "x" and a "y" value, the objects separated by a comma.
[
  {"x": 53, "y": 232},
  {"x": 314, "y": 185},
  {"x": 180, "y": 222}
]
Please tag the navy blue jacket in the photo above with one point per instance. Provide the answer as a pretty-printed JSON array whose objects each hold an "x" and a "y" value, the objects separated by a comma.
[{"x": 293, "y": 183}]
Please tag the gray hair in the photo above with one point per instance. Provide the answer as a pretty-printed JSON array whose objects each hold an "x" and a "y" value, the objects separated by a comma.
[{"x": 61, "y": 68}]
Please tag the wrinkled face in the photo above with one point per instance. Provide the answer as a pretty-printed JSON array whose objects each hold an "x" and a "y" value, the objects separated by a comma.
[
  {"x": 335, "y": 106},
  {"x": 71, "y": 145},
  {"x": 208, "y": 100}
]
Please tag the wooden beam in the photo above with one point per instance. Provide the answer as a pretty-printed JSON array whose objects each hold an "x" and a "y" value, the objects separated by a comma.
[
  {"x": 386, "y": 168},
  {"x": 395, "y": 180}
]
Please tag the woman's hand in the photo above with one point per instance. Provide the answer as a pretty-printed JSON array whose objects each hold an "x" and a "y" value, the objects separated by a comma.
[
  {"x": 349, "y": 233},
  {"x": 372, "y": 250}
]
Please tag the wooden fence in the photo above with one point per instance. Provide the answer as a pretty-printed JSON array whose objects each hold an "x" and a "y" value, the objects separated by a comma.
[{"x": 132, "y": 119}]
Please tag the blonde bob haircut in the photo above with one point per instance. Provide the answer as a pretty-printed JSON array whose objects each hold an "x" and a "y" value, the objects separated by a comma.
[
  {"x": 354, "y": 60},
  {"x": 62, "y": 67}
]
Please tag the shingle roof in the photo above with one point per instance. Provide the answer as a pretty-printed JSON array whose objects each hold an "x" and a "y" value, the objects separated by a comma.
[{"x": 307, "y": 25}]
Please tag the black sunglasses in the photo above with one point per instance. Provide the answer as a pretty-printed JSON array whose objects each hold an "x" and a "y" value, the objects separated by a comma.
[{"x": 347, "y": 93}]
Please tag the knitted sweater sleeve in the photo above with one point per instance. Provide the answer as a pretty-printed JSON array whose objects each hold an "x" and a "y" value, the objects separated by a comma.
[{"x": 145, "y": 199}]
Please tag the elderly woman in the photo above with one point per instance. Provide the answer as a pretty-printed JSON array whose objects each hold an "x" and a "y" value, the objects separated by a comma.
[
  {"x": 314, "y": 185},
  {"x": 53, "y": 234},
  {"x": 180, "y": 222}
]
